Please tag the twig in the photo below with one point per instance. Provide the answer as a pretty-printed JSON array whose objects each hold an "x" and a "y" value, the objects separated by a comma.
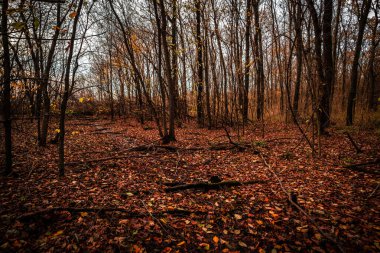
[
  {"x": 357, "y": 148},
  {"x": 327, "y": 236},
  {"x": 208, "y": 186},
  {"x": 237, "y": 145},
  {"x": 377, "y": 187},
  {"x": 129, "y": 213},
  {"x": 105, "y": 159}
]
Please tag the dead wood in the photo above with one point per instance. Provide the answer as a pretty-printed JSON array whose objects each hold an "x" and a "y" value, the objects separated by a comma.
[
  {"x": 237, "y": 145},
  {"x": 350, "y": 166},
  {"x": 153, "y": 147},
  {"x": 291, "y": 198},
  {"x": 357, "y": 148},
  {"x": 280, "y": 140},
  {"x": 107, "y": 132},
  {"x": 360, "y": 167},
  {"x": 103, "y": 159},
  {"x": 211, "y": 186},
  {"x": 101, "y": 129},
  {"x": 171, "y": 184},
  {"x": 78, "y": 124},
  {"x": 128, "y": 213}
]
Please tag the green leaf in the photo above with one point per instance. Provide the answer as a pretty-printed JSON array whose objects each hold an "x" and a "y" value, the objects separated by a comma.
[
  {"x": 18, "y": 25},
  {"x": 36, "y": 23}
]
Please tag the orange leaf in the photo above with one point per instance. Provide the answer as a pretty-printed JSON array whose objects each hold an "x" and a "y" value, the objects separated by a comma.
[
  {"x": 181, "y": 243},
  {"x": 73, "y": 14},
  {"x": 215, "y": 239},
  {"x": 206, "y": 246}
]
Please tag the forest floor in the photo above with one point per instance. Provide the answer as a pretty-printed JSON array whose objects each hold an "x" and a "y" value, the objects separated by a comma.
[{"x": 120, "y": 203}]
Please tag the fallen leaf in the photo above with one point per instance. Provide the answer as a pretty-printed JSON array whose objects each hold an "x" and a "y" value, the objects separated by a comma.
[
  {"x": 181, "y": 243},
  {"x": 72, "y": 14},
  {"x": 205, "y": 246},
  {"x": 242, "y": 244},
  {"x": 59, "y": 232},
  {"x": 238, "y": 216}
]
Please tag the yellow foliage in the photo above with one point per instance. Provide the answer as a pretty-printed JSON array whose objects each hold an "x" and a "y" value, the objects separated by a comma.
[{"x": 135, "y": 43}]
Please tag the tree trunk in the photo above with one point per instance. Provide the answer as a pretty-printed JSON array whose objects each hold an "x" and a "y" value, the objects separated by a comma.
[
  {"x": 299, "y": 49},
  {"x": 354, "y": 70},
  {"x": 61, "y": 147},
  {"x": 122, "y": 93},
  {"x": 174, "y": 53},
  {"x": 247, "y": 63},
  {"x": 6, "y": 89},
  {"x": 199, "y": 45},
  {"x": 371, "y": 66},
  {"x": 169, "y": 77},
  {"x": 110, "y": 83},
  {"x": 259, "y": 63},
  {"x": 325, "y": 88}
]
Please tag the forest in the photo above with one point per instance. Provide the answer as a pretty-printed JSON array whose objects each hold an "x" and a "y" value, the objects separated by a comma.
[{"x": 190, "y": 126}]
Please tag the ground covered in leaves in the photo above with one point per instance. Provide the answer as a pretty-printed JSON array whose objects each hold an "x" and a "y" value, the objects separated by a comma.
[{"x": 113, "y": 197}]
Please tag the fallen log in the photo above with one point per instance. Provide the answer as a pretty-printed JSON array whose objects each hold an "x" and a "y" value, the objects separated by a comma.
[
  {"x": 360, "y": 167},
  {"x": 211, "y": 186},
  {"x": 153, "y": 147},
  {"x": 97, "y": 130},
  {"x": 350, "y": 166},
  {"x": 103, "y": 159},
  {"x": 110, "y": 132},
  {"x": 129, "y": 213},
  {"x": 171, "y": 184},
  {"x": 214, "y": 147}
]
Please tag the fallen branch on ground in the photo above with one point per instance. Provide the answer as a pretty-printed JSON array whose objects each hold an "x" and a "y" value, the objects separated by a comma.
[
  {"x": 219, "y": 146},
  {"x": 359, "y": 167},
  {"x": 357, "y": 148},
  {"x": 109, "y": 132},
  {"x": 237, "y": 145},
  {"x": 350, "y": 166},
  {"x": 211, "y": 186},
  {"x": 104, "y": 159},
  {"x": 97, "y": 130},
  {"x": 153, "y": 147},
  {"x": 294, "y": 204},
  {"x": 129, "y": 213}
]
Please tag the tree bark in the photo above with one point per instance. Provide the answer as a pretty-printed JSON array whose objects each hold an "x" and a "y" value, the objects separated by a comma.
[
  {"x": 299, "y": 49},
  {"x": 6, "y": 89},
  {"x": 354, "y": 69},
  {"x": 259, "y": 63},
  {"x": 199, "y": 45},
  {"x": 61, "y": 147},
  {"x": 247, "y": 63},
  {"x": 326, "y": 87},
  {"x": 168, "y": 73}
]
